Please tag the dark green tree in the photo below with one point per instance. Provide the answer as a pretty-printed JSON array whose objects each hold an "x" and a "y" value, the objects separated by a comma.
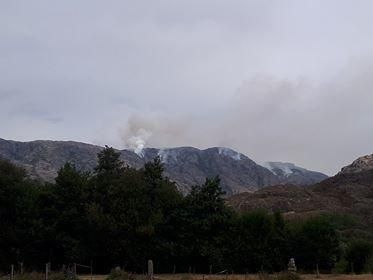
[
  {"x": 71, "y": 201},
  {"x": 202, "y": 221},
  {"x": 315, "y": 242},
  {"x": 357, "y": 254},
  {"x": 18, "y": 208},
  {"x": 109, "y": 162},
  {"x": 251, "y": 244}
]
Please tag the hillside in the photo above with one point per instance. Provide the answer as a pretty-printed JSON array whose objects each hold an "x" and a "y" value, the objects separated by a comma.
[
  {"x": 186, "y": 166},
  {"x": 346, "y": 193},
  {"x": 290, "y": 173}
]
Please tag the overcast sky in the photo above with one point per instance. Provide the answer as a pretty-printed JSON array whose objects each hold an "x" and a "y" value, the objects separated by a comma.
[{"x": 276, "y": 80}]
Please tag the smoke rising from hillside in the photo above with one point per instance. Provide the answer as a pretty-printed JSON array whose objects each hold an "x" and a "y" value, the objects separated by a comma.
[
  {"x": 269, "y": 118},
  {"x": 279, "y": 81},
  {"x": 152, "y": 130}
]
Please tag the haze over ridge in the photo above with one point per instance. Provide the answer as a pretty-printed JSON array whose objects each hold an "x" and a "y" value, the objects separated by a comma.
[{"x": 277, "y": 81}]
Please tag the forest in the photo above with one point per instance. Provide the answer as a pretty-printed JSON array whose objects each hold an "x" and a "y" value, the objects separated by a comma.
[{"x": 121, "y": 216}]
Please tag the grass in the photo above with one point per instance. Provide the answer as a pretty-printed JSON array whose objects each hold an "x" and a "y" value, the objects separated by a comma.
[
  {"x": 242, "y": 277},
  {"x": 37, "y": 276}
]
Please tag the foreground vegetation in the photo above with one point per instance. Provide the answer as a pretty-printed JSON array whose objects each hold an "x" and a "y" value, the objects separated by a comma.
[
  {"x": 247, "y": 277},
  {"x": 259, "y": 276},
  {"x": 120, "y": 216}
]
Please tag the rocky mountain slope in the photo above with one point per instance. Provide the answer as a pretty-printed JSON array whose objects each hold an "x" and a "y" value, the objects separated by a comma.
[
  {"x": 186, "y": 166},
  {"x": 190, "y": 166},
  {"x": 346, "y": 193},
  {"x": 290, "y": 173},
  {"x": 361, "y": 164}
]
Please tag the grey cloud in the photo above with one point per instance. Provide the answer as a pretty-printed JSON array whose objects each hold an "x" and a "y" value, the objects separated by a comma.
[
  {"x": 320, "y": 125},
  {"x": 285, "y": 80}
]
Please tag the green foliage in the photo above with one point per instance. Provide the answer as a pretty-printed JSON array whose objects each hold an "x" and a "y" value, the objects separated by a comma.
[
  {"x": 340, "y": 221},
  {"x": 342, "y": 266},
  {"x": 123, "y": 216},
  {"x": 358, "y": 253},
  {"x": 109, "y": 163},
  {"x": 315, "y": 241},
  {"x": 118, "y": 274},
  {"x": 259, "y": 242},
  {"x": 288, "y": 276},
  {"x": 368, "y": 266},
  {"x": 202, "y": 219}
]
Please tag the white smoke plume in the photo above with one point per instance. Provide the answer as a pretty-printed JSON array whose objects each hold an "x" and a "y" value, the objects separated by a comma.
[
  {"x": 137, "y": 142},
  {"x": 321, "y": 126},
  {"x": 153, "y": 130}
]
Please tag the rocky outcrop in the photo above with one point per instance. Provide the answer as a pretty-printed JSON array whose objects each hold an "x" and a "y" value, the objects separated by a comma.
[{"x": 359, "y": 165}]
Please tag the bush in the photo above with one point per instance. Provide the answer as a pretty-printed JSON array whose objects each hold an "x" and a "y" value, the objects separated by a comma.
[
  {"x": 288, "y": 276},
  {"x": 358, "y": 253},
  {"x": 118, "y": 274},
  {"x": 342, "y": 266}
]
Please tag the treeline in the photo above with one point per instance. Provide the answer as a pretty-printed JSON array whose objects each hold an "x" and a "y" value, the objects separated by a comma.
[{"x": 120, "y": 216}]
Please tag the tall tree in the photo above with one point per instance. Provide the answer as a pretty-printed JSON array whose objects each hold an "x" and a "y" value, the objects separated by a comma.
[
  {"x": 204, "y": 217},
  {"x": 315, "y": 242}
]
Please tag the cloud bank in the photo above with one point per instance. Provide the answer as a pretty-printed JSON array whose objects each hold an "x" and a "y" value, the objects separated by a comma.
[{"x": 284, "y": 81}]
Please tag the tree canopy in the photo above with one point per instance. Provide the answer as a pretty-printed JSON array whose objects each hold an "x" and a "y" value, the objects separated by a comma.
[{"x": 123, "y": 216}]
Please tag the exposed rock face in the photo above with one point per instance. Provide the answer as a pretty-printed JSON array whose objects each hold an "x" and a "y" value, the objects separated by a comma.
[
  {"x": 187, "y": 166},
  {"x": 290, "y": 173},
  {"x": 361, "y": 164}
]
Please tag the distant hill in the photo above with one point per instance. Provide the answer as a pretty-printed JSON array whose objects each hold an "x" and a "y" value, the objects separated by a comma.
[
  {"x": 349, "y": 192},
  {"x": 186, "y": 166},
  {"x": 290, "y": 173}
]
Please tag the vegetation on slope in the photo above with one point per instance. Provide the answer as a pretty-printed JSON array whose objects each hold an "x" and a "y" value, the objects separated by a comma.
[{"x": 120, "y": 216}]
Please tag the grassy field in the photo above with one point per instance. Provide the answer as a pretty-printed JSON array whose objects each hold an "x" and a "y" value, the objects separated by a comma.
[{"x": 242, "y": 277}]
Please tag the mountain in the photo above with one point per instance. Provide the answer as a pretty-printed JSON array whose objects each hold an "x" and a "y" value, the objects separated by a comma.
[
  {"x": 290, "y": 173},
  {"x": 42, "y": 159},
  {"x": 361, "y": 164},
  {"x": 349, "y": 192},
  {"x": 190, "y": 166},
  {"x": 187, "y": 166}
]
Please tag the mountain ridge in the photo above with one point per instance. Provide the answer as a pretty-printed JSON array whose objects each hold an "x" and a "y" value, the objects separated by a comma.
[
  {"x": 346, "y": 193},
  {"x": 186, "y": 166}
]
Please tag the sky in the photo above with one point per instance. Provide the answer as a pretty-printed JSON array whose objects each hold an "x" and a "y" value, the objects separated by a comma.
[{"x": 276, "y": 80}]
